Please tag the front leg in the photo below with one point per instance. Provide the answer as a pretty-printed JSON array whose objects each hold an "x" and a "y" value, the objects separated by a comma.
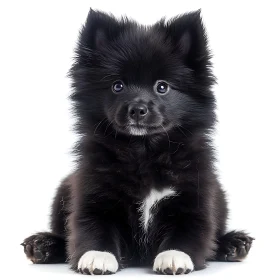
[
  {"x": 94, "y": 241},
  {"x": 189, "y": 240}
]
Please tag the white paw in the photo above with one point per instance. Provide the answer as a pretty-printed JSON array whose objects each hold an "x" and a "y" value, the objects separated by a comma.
[
  {"x": 173, "y": 262},
  {"x": 97, "y": 262}
]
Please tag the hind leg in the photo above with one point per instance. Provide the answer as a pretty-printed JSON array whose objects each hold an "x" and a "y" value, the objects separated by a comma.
[
  {"x": 50, "y": 247},
  {"x": 233, "y": 246},
  {"x": 45, "y": 247}
]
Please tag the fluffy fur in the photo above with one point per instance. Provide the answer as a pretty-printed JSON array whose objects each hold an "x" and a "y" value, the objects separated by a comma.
[{"x": 138, "y": 141}]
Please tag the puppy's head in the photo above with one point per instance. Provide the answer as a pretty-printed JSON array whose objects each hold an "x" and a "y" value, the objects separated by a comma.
[{"x": 142, "y": 80}]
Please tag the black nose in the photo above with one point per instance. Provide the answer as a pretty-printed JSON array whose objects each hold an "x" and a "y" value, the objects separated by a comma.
[{"x": 137, "y": 111}]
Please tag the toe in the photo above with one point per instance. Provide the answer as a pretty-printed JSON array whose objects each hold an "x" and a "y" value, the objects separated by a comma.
[
  {"x": 180, "y": 270},
  {"x": 86, "y": 271},
  {"x": 168, "y": 271},
  {"x": 28, "y": 250},
  {"x": 38, "y": 255},
  {"x": 97, "y": 271}
]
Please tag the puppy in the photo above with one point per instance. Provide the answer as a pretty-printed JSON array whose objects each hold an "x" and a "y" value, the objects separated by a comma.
[{"x": 144, "y": 191}]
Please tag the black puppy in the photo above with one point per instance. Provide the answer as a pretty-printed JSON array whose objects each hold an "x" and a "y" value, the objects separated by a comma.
[{"x": 145, "y": 189}]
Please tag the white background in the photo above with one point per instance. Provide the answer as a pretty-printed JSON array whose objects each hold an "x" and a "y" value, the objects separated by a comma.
[{"x": 36, "y": 46}]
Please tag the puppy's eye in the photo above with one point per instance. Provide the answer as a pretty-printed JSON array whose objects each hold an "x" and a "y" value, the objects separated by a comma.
[
  {"x": 117, "y": 86},
  {"x": 162, "y": 87}
]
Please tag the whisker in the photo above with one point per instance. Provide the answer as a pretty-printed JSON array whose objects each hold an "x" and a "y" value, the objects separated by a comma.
[
  {"x": 185, "y": 129},
  {"x": 179, "y": 144},
  {"x": 98, "y": 126},
  {"x": 107, "y": 127},
  {"x": 167, "y": 136},
  {"x": 182, "y": 131},
  {"x": 109, "y": 134},
  {"x": 106, "y": 77},
  {"x": 178, "y": 126}
]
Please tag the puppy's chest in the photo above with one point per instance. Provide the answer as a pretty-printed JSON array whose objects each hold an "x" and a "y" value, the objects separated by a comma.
[{"x": 151, "y": 203}]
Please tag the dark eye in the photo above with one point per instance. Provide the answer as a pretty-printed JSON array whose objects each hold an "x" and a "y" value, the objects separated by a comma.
[
  {"x": 162, "y": 87},
  {"x": 118, "y": 86}
]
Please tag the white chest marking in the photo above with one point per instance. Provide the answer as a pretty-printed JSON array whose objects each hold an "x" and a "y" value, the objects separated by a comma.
[{"x": 150, "y": 202}]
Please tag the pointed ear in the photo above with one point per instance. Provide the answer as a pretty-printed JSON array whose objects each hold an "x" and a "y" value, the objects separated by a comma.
[
  {"x": 189, "y": 37},
  {"x": 98, "y": 29}
]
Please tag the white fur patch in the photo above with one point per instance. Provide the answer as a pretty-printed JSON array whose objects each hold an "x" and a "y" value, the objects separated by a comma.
[
  {"x": 103, "y": 261},
  {"x": 173, "y": 260},
  {"x": 137, "y": 131},
  {"x": 151, "y": 201}
]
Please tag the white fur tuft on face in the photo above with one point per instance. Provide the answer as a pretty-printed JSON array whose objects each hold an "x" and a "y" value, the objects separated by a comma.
[
  {"x": 97, "y": 262},
  {"x": 137, "y": 131},
  {"x": 173, "y": 262}
]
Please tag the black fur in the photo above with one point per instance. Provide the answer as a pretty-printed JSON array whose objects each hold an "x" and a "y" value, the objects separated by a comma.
[{"x": 97, "y": 207}]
